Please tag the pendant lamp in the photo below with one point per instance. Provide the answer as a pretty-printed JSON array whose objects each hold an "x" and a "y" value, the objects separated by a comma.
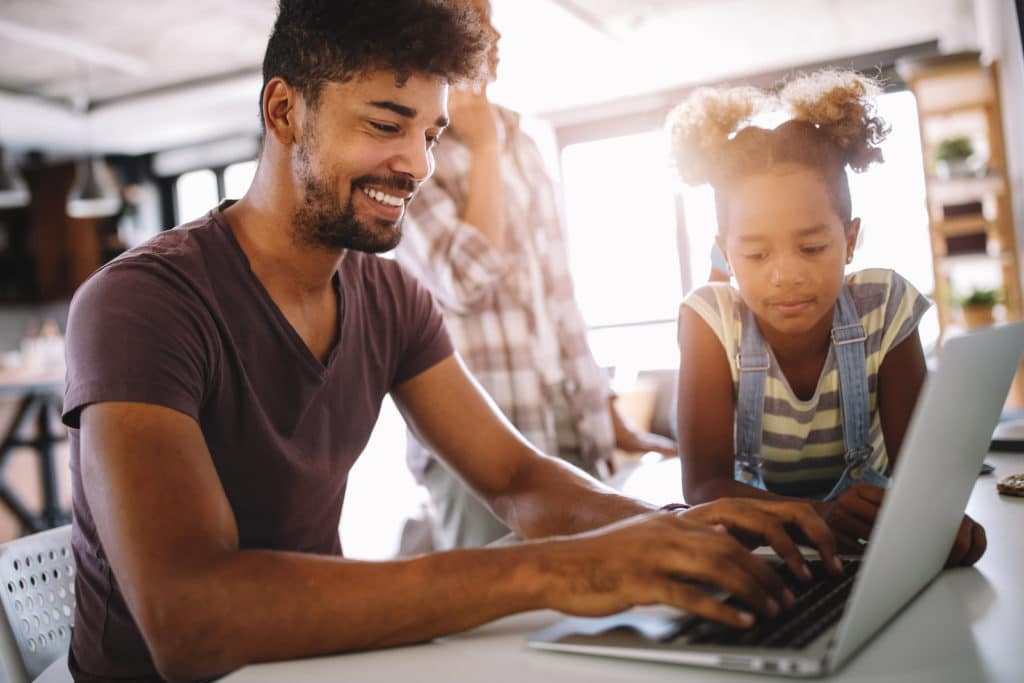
[{"x": 95, "y": 192}]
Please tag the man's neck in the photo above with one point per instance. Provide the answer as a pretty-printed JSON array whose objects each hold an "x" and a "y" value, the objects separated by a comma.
[{"x": 261, "y": 224}]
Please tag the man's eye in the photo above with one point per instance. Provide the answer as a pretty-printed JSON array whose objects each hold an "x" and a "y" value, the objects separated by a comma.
[
  {"x": 384, "y": 127},
  {"x": 756, "y": 256}
]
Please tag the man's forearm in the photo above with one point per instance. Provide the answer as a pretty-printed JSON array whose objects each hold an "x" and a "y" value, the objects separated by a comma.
[
  {"x": 251, "y": 606},
  {"x": 713, "y": 489},
  {"x": 548, "y": 497}
]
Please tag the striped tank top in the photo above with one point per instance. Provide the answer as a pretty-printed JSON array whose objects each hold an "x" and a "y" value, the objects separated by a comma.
[{"x": 802, "y": 441}]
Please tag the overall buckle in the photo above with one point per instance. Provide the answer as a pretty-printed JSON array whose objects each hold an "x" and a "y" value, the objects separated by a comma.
[{"x": 854, "y": 340}]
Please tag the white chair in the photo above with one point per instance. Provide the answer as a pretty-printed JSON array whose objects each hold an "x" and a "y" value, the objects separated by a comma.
[{"x": 37, "y": 590}]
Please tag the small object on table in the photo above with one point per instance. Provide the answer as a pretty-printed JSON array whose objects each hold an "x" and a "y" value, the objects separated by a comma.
[
  {"x": 986, "y": 468},
  {"x": 1012, "y": 485}
]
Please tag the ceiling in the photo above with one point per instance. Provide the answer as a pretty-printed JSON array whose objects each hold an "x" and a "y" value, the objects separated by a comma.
[{"x": 159, "y": 74}]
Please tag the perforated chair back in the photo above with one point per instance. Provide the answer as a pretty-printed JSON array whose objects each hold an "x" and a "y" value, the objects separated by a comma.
[{"x": 37, "y": 589}]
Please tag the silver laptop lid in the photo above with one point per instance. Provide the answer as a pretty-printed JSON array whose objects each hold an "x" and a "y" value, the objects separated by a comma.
[{"x": 945, "y": 443}]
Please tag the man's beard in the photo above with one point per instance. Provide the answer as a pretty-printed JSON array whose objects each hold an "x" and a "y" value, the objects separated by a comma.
[{"x": 322, "y": 221}]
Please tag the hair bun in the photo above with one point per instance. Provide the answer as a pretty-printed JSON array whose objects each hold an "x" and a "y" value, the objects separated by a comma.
[
  {"x": 841, "y": 104},
  {"x": 703, "y": 122}
]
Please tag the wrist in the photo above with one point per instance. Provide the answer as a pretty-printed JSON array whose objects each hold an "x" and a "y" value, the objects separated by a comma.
[
  {"x": 536, "y": 577},
  {"x": 821, "y": 507}
]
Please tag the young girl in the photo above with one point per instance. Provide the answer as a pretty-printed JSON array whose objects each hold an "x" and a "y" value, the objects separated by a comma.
[{"x": 800, "y": 381}]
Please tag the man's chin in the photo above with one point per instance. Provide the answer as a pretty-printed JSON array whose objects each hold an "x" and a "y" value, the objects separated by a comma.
[{"x": 384, "y": 237}]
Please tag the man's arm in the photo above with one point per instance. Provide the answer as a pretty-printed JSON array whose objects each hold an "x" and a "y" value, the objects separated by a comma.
[
  {"x": 538, "y": 496},
  {"x": 205, "y": 606},
  {"x": 534, "y": 494}
]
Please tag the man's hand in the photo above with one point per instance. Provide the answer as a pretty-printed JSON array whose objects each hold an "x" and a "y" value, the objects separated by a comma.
[
  {"x": 677, "y": 559},
  {"x": 473, "y": 118},
  {"x": 772, "y": 523},
  {"x": 659, "y": 558},
  {"x": 852, "y": 517}
]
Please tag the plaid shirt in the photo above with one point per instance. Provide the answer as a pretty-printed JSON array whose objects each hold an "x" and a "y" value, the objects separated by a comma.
[{"x": 488, "y": 299}]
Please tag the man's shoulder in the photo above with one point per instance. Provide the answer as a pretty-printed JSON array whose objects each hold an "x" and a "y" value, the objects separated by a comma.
[
  {"x": 164, "y": 262},
  {"x": 179, "y": 244}
]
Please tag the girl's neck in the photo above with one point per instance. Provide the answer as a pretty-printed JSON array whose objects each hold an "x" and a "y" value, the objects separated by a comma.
[{"x": 814, "y": 343}]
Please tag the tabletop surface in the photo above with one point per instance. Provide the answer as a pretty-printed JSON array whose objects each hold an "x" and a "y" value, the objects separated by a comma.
[
  {"x": 966, "y": 626},
  {"x": 18, "y": 382}
]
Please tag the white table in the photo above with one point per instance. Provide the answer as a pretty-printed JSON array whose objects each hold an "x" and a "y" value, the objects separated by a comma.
[{"x": 967, "y": 626}]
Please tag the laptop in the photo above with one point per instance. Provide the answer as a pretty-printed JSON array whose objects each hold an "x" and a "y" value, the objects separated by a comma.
[{"x": 945, "y": 443}]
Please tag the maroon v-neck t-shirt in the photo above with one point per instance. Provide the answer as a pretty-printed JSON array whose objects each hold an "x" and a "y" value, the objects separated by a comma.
[{"x": 183, "y": 322}]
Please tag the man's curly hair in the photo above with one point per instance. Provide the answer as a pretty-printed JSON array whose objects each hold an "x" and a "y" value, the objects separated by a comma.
[{"x": 316, "y": 41}]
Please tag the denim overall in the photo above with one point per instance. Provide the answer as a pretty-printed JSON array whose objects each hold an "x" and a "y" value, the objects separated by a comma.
[{"x": 848, "y": 345}]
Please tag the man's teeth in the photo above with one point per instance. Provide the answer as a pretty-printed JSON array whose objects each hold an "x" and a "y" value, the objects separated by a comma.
[{"x": 379, "y": 196}]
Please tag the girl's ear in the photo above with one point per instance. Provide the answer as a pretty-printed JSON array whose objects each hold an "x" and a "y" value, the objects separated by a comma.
[{"x": 852, "y": 232}]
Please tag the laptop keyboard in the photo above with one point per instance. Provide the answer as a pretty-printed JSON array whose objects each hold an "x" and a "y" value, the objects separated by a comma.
[{"x": 819, "y": 604}]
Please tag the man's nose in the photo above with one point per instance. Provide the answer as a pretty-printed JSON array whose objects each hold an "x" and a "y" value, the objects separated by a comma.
[{"x": 415, "y": 160}]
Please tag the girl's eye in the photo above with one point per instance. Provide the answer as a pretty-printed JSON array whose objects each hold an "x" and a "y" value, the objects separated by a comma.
[
  {"x": 814, "y": 249},
  {"x": 756, "y": 256},
  {"x": 433, "y": 141}
]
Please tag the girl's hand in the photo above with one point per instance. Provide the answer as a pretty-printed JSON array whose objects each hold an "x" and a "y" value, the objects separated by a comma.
[
  {"x": 851, "y": 516},
  {"x": 969, "y": 545}
]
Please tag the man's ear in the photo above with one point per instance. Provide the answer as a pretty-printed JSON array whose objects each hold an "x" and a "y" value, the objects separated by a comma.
[
  {"x": 852, "y": 232},
  {"x": 282, "y": 105}
]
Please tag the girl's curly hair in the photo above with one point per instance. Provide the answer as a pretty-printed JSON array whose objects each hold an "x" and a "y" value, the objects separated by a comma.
[{"x": 833, "y": 126}]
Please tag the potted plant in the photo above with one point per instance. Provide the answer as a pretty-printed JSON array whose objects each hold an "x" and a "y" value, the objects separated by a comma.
[
  {"x": 978, "y": 307},
  {"x": 953, "y": 157}
]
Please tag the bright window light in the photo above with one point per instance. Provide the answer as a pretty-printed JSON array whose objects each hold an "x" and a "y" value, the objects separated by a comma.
[
  {"x": 621, "y": 223},
  {"x": 237, "y": 178},
  {"x": 195, "y": 193}
]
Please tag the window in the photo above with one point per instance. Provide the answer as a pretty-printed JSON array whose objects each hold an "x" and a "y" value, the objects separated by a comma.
[
  {"x": 623, "y": 252},
  {"x": 195, "y": 193},
  {"x": 237, "y": 178}
]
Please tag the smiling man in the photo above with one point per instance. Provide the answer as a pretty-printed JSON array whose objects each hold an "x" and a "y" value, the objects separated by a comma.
[{"x": 223, "y": 378}]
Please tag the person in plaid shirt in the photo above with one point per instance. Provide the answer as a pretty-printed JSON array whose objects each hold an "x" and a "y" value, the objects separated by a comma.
[{"x": 484, "y": 236}]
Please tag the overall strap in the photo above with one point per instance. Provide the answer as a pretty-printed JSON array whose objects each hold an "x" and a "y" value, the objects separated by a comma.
[
  {"x": 752, "y": 363},
  {"x": 848, "y": 342}
]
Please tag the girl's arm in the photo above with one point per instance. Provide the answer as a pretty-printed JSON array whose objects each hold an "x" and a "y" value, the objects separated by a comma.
[
  {"x": 705, "y": 414},
  {"x": 899, "y": 382}
]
